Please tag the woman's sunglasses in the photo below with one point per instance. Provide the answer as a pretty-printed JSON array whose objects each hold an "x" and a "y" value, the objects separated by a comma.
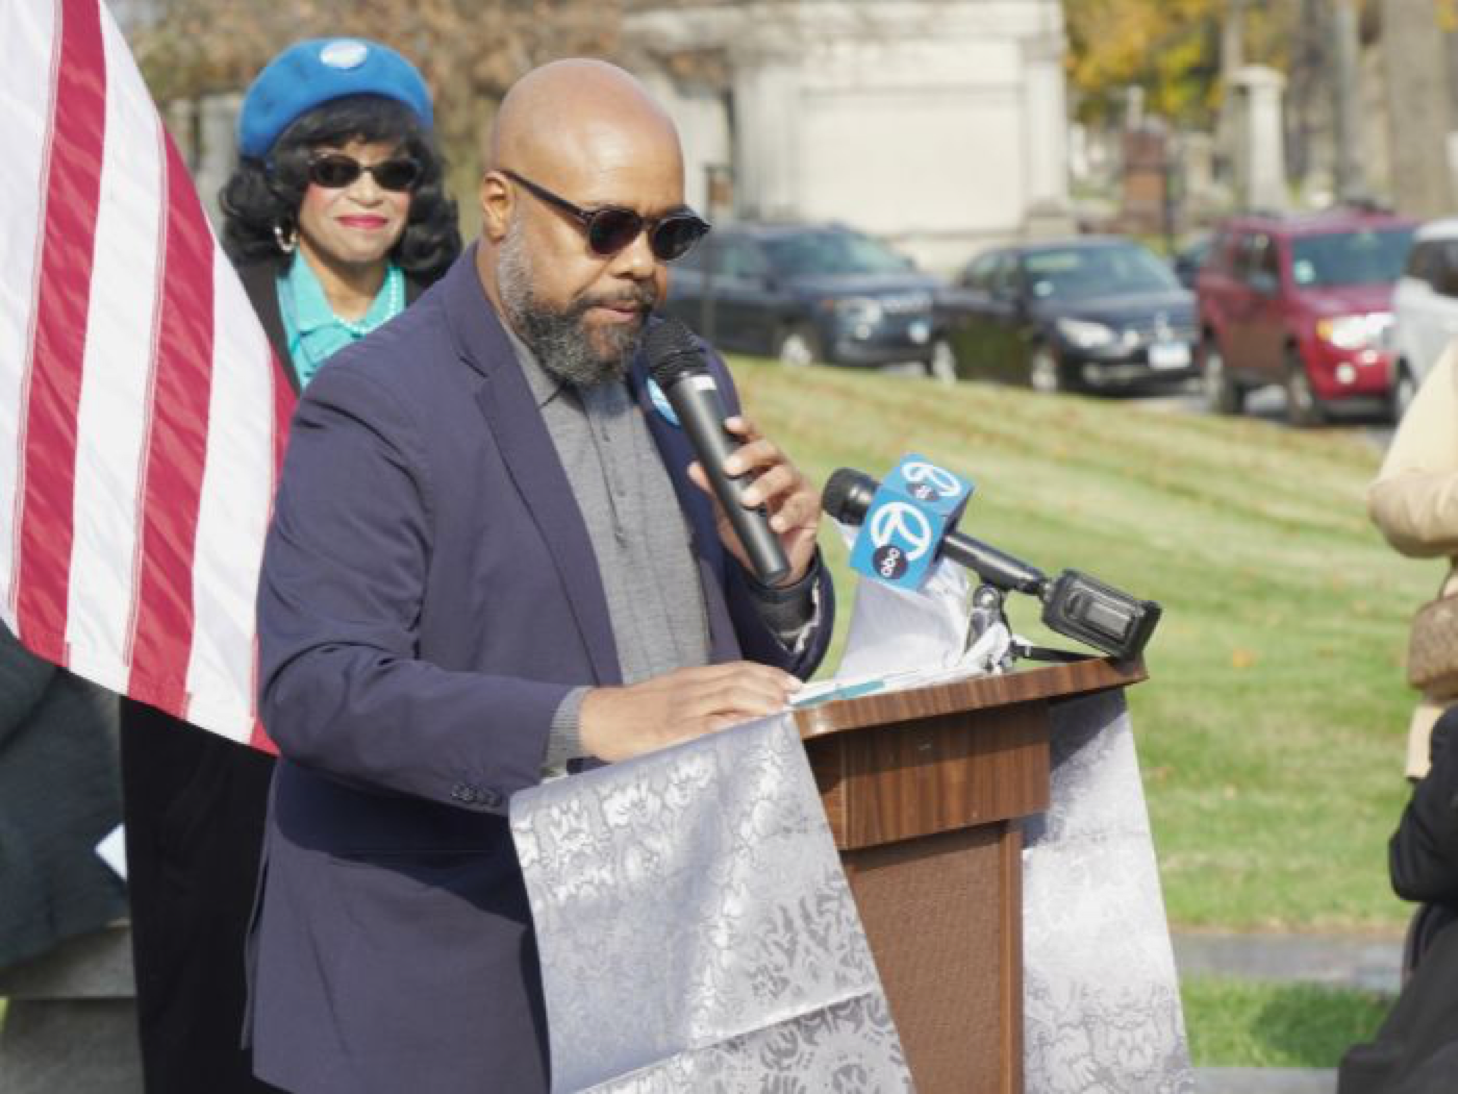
[
  {"x": 335, "y": 171},
  {"x": 610, "y": 228}
]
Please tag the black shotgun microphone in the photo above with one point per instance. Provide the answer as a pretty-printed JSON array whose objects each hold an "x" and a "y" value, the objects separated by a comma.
[{"x": 676, "y": 362}]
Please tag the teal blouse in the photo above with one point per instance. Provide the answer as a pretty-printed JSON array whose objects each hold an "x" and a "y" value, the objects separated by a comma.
[{"x": 313, "y": 331}]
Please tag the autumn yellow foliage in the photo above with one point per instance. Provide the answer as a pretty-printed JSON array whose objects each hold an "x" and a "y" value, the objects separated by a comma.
[{"x": 1170, "y": 48}]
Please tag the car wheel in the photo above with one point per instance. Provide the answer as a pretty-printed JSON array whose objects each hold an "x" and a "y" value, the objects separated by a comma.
[
  {"x": 1221, "y": 391},
  {"x": 798, "y": 347},
  {"x": 1303, "y": 408},
  {"x": 943, "y": 363},
  {"x": 1043, "y": 372},
  {"x": 1404, "y": 387}
]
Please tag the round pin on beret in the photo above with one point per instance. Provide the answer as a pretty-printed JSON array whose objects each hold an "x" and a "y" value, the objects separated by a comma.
[
  {"x": 344, "y": 53},
  {"x": 317, "y": 70}
]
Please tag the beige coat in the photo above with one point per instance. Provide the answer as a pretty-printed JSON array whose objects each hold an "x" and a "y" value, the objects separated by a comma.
[{"x": 1414, "y": 501}]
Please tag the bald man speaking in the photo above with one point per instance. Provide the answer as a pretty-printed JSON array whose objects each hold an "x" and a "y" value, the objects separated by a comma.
[{"x": 492, "y": 559}]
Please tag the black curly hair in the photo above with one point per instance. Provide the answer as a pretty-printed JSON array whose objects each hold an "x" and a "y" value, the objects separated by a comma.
[{"x": 262, "y": 194}]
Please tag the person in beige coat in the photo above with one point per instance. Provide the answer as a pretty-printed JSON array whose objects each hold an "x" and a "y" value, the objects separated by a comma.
[{"x": 1414, "y": 501}]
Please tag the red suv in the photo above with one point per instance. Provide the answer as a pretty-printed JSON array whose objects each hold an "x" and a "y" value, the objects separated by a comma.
[{"x": 1304, "y": 302}]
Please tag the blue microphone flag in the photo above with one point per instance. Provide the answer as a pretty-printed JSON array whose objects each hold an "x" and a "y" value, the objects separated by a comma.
[{"x": 906, "y": 520}]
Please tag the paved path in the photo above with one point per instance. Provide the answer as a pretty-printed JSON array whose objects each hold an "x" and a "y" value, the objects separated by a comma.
[
  {"x": 1368, "y": 963},
  {"x": 1272, "y": 1080}
]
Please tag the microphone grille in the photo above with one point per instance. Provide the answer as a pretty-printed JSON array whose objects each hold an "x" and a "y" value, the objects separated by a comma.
[
  {"x": 672, "y": 351},
  {"x": 847, "y": 495}
]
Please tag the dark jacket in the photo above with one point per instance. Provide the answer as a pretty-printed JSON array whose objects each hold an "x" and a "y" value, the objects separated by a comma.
[
  {"x": 59, "y": 795},
  {"x": 1416, "y": 1048},
  {"x": 1423, "y": 854},
  {"x": 429, "y": 596}
]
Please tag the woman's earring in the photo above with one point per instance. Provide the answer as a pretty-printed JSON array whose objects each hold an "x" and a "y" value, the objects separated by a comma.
[{"x": 287, "y": 240}]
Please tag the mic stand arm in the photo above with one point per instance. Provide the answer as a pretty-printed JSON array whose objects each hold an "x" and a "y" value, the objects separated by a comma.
[{"x": 987, "y": 610}]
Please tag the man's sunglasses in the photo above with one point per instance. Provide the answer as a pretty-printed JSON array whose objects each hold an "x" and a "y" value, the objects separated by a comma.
[
  {"x": 610, "y": 228},
  {"x": 335, "y": 171}
]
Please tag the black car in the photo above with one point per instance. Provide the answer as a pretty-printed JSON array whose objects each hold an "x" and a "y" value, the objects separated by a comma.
[
  {"x": 804, "y": 293},
  {"x": 1094, "y": 313}
]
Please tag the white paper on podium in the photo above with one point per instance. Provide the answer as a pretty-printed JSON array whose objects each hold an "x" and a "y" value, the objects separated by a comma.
[{"x": 894, "y": 631}]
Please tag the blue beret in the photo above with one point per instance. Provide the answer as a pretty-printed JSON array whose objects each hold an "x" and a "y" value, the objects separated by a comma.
[{"x": 315, "y": 71}]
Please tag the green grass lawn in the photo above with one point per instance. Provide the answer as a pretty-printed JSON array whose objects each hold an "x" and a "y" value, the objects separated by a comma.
[
  {"x": 1271, "y": 732},
  {"x": 1260, "y": 1024}
]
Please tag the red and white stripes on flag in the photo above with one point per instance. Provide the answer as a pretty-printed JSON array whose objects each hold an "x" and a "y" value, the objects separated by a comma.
[{"x": 142, "y": 413}]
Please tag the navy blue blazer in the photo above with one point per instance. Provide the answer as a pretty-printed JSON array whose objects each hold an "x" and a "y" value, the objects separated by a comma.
[{"x": 429, "y": 595}]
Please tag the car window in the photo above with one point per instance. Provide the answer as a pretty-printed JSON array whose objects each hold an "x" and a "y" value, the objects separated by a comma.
[
  {"x": 1267, "y": 259},
  {"x": 1442, "y": 266},
  {"x": 1422, "y": 263},
  {"x": 1258, "y": 256},
  {"x": 1066, "y": 273},
  {"x": 742, "y": 258},
  {"x": 978, "y": 274},
  {"x": 1004, "y": 281},
  {"x": 1366, "y": 256},
  {"x": 1225, "y": 252},
  {"x": 1196, "y": 255},
  {"x": 832, "y": 251},
  {"x": 1241, "y": 259}
]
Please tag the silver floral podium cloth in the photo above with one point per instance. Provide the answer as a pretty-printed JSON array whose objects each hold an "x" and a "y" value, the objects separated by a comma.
[
  {"x": 1100, "y": 994},
  {"x": 695, "y": 928},
  {"x": 1101, "y": 1003}
]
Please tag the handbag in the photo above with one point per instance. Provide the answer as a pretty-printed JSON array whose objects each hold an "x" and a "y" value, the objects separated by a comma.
[{"x": 1432, "y": 648}]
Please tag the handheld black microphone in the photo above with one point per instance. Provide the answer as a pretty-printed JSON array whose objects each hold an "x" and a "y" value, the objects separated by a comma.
[
  {"x": 1074, "y": 604},
  {"x": 848, "y": 495},
  {"x": 676, "y": 362}
]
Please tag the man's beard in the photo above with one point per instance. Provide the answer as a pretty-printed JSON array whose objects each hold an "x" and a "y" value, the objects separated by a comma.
[{"x": 560, "y": 339}]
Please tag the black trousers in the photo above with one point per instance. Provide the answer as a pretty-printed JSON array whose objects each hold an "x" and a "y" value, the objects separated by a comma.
[{"x": 194, "y": 805}]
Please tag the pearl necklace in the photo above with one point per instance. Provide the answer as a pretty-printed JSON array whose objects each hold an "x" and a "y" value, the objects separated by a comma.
[{"x": 394, "y": 305}]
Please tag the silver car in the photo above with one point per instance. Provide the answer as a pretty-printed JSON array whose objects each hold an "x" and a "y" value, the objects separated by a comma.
[{"x": 1425, "y": 305}]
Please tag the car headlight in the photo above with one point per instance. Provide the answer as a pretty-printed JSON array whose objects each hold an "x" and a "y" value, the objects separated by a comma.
[
  {"x": 860, "y": 309},
  {"x": 1367, "y": 330},
  {"x": 1086, "y": 335}
]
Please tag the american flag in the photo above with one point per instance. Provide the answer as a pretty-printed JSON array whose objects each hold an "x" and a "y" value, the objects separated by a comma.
[{"x": 142, "y": 411}]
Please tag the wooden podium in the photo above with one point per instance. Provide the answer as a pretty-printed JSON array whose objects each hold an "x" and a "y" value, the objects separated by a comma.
[{"x": 924, "y": 790}]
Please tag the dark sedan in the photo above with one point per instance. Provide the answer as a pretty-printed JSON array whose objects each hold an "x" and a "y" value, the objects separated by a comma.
[
  {"x": 804, "y": 293},
  {"x": 1096, "y": 313}
]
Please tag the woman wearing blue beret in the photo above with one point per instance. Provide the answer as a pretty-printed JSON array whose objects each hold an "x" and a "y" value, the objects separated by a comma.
[{"x": 336, "y": 218}]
